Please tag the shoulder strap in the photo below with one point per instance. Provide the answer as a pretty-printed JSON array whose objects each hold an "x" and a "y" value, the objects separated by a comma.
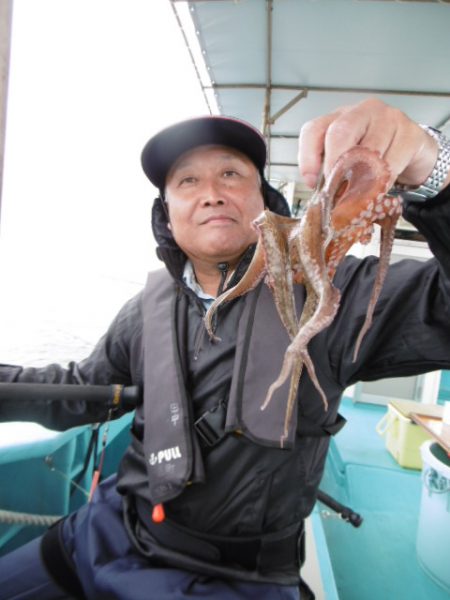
[
  {"x": 168, "y": 444},
  {"x": 210, "y": 426}
]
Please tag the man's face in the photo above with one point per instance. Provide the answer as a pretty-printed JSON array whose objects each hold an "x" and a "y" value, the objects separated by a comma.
[{"x": 213, "y": 194}]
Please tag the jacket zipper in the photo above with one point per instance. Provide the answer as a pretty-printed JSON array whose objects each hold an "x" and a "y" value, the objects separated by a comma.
[{"x": 223, "y": 268}]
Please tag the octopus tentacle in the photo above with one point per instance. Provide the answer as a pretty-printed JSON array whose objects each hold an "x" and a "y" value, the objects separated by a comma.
[
  {"x": 321, "y": 303},
  {"x": 357, "y": 184},
  {"x": 387, "y": 241},
  {"x": 339, "y": 214},
  {"x": 294, "y": 368},
  {"x": 252, "y": 276},
  {"x": 275, "y": 233},
  {"x": 324, "y": 313},
  {"x": 271, "y": 259}
]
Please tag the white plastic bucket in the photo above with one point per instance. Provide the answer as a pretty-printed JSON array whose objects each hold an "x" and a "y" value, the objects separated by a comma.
[{"x": 433, "y": 536}]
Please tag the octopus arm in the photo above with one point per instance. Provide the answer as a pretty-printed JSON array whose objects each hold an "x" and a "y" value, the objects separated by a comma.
[
  {"x": 253, "y": 275},
  {"x": 387, "y": 241}
]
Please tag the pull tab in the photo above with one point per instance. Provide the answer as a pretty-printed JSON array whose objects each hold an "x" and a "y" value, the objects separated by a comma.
[{"x": 158, "y": 514}]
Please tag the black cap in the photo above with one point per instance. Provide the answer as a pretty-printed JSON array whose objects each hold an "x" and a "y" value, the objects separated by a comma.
[{"x": 163, "y": 149}]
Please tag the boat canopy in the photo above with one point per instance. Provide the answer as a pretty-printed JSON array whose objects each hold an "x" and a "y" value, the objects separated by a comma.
[{"x": 279, "y": 63}]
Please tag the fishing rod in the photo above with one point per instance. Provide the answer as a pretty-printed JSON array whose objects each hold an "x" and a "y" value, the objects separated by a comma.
[
  {"x": 111, "y": 396},
  {"x": 20, "y": 397}
]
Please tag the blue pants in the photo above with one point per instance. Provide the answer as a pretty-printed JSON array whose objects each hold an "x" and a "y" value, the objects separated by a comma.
[{"x": 110, "y": 568}]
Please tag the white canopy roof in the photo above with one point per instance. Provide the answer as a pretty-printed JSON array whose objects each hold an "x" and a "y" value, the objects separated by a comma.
[{"x": 279, "y": 63}]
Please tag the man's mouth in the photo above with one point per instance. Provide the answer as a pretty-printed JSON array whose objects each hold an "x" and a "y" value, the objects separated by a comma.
[{"x": 218, "y": 219}]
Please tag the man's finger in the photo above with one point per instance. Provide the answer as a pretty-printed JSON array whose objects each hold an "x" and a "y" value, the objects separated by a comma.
[
  {"x": 366, "y": 124},
  {"x": 311, "y": 148}
]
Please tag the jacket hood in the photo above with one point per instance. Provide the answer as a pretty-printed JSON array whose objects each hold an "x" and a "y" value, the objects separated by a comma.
[{"x": 168, "y": 250}]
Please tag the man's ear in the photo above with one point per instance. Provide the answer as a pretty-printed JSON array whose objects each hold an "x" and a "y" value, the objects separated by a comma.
[
  {"x": 164, "y": 205},
  {"x": 166, "y": 210}
]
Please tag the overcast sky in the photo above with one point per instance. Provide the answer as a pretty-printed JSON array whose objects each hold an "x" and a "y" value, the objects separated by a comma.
[{"x": 90, "y": 82}]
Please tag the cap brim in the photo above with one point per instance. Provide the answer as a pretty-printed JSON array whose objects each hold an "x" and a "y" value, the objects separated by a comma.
[{"x": 162, "y": 150}]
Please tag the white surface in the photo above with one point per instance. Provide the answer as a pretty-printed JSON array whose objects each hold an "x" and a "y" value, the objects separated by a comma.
[{"x": 17, "y": 434}]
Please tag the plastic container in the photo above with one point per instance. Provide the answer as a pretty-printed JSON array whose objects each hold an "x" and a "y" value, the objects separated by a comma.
[
  {"x": 403, "y": 437},
  {"x": 433, "y": 535}
]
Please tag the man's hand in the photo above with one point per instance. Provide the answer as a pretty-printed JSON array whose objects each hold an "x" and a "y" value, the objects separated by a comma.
[{"x": 409, "y": 151}]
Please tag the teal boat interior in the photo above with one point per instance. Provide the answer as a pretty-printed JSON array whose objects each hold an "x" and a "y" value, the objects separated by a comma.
[{"x": 379, "y": 559}]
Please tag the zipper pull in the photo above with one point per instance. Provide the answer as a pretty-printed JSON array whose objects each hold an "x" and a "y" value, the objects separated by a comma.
[
  {"x": 223, "y": 268},
  {"x": 158, "y": 514}
]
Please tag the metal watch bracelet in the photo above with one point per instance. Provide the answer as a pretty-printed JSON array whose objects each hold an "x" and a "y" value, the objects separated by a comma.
[{"x": 436, "y": 179}]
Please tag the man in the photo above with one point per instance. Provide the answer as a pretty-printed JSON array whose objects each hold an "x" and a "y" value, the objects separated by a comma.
[{"x": 203, "y": 507}]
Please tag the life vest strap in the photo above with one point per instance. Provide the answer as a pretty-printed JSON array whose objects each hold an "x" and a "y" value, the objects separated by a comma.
[
  {"x": 210, "y": 426},
  {"x": 265, "y": 553}
]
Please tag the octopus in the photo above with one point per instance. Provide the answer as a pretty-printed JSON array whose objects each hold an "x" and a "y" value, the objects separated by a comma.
[{"x": 307, "y": 251}]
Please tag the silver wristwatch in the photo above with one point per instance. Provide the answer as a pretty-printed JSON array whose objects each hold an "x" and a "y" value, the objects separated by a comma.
[{"x": 438, "y": 175}]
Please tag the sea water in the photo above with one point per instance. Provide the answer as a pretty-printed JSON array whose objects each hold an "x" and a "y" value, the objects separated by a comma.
[
  {"x": 54, "y": 318},
  {"x": 57, "y": 319}
]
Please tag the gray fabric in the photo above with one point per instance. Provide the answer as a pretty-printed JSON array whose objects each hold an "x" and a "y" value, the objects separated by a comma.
[
  {"x": 259, "y": 355},
  {"x": 168, "y": 442}
]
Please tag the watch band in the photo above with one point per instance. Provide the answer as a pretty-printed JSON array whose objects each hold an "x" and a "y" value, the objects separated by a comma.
[{"x": 433, "y": 184}]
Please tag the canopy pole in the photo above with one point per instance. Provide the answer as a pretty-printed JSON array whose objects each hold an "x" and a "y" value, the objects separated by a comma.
[
  {"x": 6, "y": 7},
  {"x": 267, "y": 101}
]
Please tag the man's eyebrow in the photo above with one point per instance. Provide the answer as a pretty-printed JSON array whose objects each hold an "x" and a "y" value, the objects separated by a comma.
[{"x": 183, "y": 164}]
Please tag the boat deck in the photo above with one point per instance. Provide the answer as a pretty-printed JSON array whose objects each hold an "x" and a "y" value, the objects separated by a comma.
[{"x": 379, "y": 559}]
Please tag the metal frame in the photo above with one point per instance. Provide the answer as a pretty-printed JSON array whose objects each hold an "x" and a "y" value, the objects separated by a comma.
[
  {"x": 299, "y": 92},
  {"x": 6, "y": 7}
]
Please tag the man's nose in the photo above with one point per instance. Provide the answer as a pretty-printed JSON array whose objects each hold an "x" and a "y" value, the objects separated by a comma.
[{"x": 212, "y": 195}]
